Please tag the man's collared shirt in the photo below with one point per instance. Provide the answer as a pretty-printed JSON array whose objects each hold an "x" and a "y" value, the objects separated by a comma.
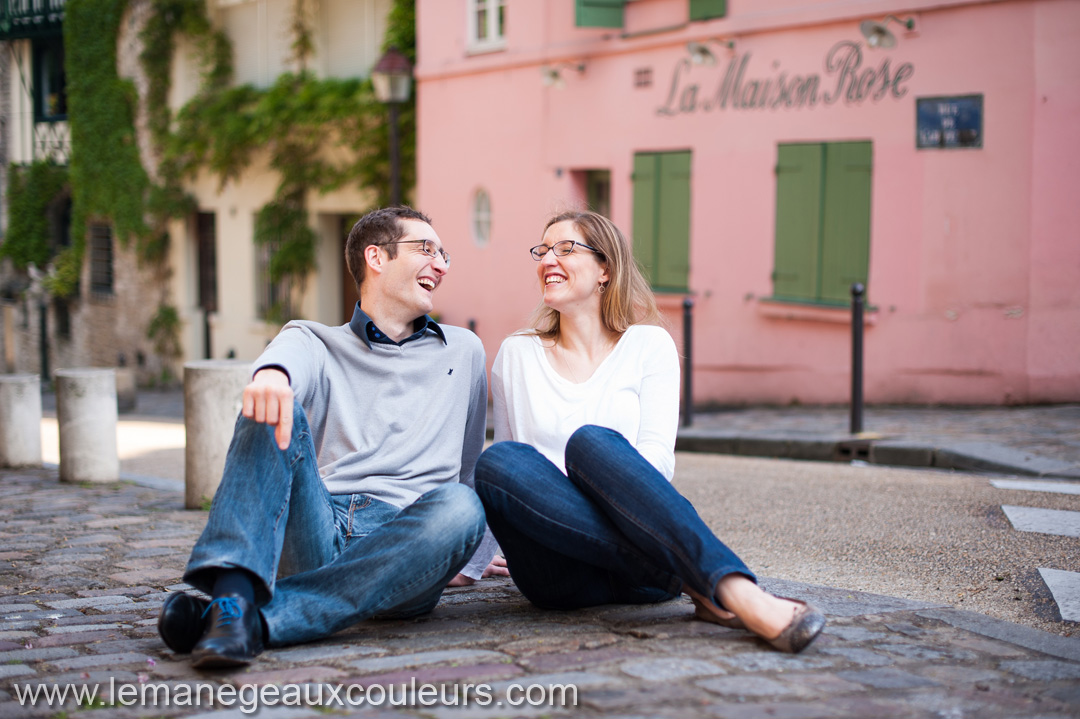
[{"x": 364, "y": 328}]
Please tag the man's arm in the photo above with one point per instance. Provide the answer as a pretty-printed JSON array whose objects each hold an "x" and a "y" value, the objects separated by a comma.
[{"x": 268, "y": 399}]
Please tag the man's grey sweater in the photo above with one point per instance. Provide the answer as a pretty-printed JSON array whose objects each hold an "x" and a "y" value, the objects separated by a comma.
[{"x": 389, "y": 421}]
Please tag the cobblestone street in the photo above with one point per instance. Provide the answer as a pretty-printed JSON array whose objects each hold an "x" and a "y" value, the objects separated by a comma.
[{"x": 86, "y": 568}]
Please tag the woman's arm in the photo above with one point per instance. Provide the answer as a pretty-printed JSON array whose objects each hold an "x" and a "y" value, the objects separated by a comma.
[
  {"x": 659, "y": 398},
  {"x": 501, "y": 416}
]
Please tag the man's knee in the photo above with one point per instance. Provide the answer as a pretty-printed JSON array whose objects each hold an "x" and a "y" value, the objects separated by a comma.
[{"x": 460, "y": 513}]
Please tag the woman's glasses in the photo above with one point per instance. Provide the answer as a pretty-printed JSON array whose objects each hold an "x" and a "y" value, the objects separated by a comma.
[{"x": 561, "y": 248}]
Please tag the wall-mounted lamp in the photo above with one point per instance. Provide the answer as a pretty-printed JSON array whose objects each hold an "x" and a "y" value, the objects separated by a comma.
[
  {"x": 878, "y": 36},
  {"x": 553, "y": 75},
  {"x": 700, "y": 54}
]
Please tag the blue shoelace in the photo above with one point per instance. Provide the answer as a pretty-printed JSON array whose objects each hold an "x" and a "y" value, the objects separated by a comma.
[{"x": 230, "y": 610}]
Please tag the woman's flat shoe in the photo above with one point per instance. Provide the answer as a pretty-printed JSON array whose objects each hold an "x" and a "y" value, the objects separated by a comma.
[
  {"x": 806, "y": 624},
  {"x": 709, "y": 612},
  {"x": 803, "y": 629}
]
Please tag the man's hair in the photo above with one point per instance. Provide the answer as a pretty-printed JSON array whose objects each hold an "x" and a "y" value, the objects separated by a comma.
[
  {"x": 627, "y": 298},
  {"x": 378, "y": 227}
]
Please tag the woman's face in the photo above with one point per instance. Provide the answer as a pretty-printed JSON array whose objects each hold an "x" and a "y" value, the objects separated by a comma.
[{"x": 571, "y": 281}]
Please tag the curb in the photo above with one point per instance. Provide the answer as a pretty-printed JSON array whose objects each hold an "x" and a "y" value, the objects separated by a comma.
[{"x": 963, "y": 456}]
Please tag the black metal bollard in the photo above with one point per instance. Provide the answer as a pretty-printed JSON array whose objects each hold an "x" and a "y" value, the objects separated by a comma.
[
  {"x": 857, "y": 291},
  {"x": 688, "y": 363}
]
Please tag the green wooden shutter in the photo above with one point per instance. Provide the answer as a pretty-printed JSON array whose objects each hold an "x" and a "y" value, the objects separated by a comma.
[
  {"x": 673, "y": 223},
  {"x": 707, "y": 9},
  {"x": 645, "y": 211},
  {"x": 598, "y": 13},
  {"x": 798, "y": 221},
  {"x": 846, "y": 224}
]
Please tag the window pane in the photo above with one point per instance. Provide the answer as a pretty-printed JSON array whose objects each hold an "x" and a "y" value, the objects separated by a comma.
[
  {"x": 50, "y": 90},
  {"x": 481, "y": 20},
  {"x": 101, "y": 260},
  {"x": 481, "y": 212}
]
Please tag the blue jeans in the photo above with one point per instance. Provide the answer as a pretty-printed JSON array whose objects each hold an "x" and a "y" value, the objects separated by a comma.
[
  {"x": 611, "y": 531},
  {"x": 347, "y": 557}
]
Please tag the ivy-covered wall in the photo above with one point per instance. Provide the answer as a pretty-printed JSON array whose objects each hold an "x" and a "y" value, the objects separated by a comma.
[
  {"x": 31, "y": 191},
  {"x": 108, "y": 183},
  {"x": 320, "y": 135}
]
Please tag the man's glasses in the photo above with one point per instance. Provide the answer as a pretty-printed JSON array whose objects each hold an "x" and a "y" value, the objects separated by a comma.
[
  {"x": 428, "y": 247},
  {"x": 562, "y": 248}
]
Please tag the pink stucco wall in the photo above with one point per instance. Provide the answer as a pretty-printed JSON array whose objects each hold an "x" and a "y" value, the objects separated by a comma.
[{"x": 974, "y": 253}]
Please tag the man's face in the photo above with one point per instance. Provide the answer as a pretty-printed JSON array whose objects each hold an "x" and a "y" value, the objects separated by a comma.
[{"x": 412, "y": 277}]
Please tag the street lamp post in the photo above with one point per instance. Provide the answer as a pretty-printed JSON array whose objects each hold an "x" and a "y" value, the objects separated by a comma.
[{"x": 392, "y": 80}]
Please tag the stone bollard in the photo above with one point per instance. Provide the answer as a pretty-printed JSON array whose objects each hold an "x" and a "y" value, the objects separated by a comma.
[
  {"x": 126, "y": 397},
  {"x": 86, "y": 415},
  {"x": 20, "y": 420},
  {"x": 213, "y": 396}
]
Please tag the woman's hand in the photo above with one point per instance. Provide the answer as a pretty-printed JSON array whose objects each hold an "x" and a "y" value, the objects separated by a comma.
[{"x": 497, "y": 568}]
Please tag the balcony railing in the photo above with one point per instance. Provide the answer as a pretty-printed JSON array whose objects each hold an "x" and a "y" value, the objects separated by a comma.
[{"x": 30, "y": 18}]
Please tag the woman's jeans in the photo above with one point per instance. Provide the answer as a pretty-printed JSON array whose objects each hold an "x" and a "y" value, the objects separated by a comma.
[
  {"x": 349, "y": 557},
  {"x": 611, "y": 531}
]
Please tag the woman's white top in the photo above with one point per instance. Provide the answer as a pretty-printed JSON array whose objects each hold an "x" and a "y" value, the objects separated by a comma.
[{"x": 634, "y": 391}]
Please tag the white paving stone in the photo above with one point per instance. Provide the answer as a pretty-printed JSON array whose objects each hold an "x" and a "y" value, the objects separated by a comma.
[
  {"x": 1034, "y": 485},
  {"x": 1065, "y": 586},
  {"x": 15, "y": 670},
  {"x": 405, "y": 661},
  {"x": 95, "y": 602},
  {"x": 14, "y": 636},
  {"x": 670, "y": 668},
  {"x": 8, "y": 609},
  {"x": 1043, "y": 521},
  {"x": 80, "y": 628}
]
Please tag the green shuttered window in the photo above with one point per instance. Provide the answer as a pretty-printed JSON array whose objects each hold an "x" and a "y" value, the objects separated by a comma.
[
  {"x": 707, "y": 9},
  {"x": 598, "y": 13},
  {"x": 609, "y": 13},
  {"x": 662, "y": 218},
  {"x": 822, "y": 221}
]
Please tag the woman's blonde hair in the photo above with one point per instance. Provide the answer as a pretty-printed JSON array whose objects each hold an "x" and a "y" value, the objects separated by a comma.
[{"x": 627, "y": 299}]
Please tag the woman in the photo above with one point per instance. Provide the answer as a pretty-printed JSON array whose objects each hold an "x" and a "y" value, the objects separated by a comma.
[{"x": 577, "y": 487}]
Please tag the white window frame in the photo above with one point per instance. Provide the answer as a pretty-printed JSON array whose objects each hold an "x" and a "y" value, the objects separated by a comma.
[{"x": 494, "y": 40}]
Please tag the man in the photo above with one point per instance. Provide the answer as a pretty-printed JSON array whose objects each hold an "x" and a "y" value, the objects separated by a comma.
[{"x": 350, "y": 470}]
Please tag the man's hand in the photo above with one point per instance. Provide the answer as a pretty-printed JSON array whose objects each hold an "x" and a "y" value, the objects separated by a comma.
[
  {"x": 497, "y": 568},
  {"x": 269, "y": 400}
]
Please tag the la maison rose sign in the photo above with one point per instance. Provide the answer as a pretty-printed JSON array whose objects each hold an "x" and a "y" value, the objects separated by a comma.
[{"x": 741, "y": 88}]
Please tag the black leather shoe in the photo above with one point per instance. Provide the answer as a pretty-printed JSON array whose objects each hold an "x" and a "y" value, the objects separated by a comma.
[
  {"x": 233, "y": 634},
  {"x": 181, "y": 623}
]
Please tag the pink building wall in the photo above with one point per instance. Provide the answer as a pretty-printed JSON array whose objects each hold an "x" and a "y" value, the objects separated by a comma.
[{"x": 974, "y": 253}]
